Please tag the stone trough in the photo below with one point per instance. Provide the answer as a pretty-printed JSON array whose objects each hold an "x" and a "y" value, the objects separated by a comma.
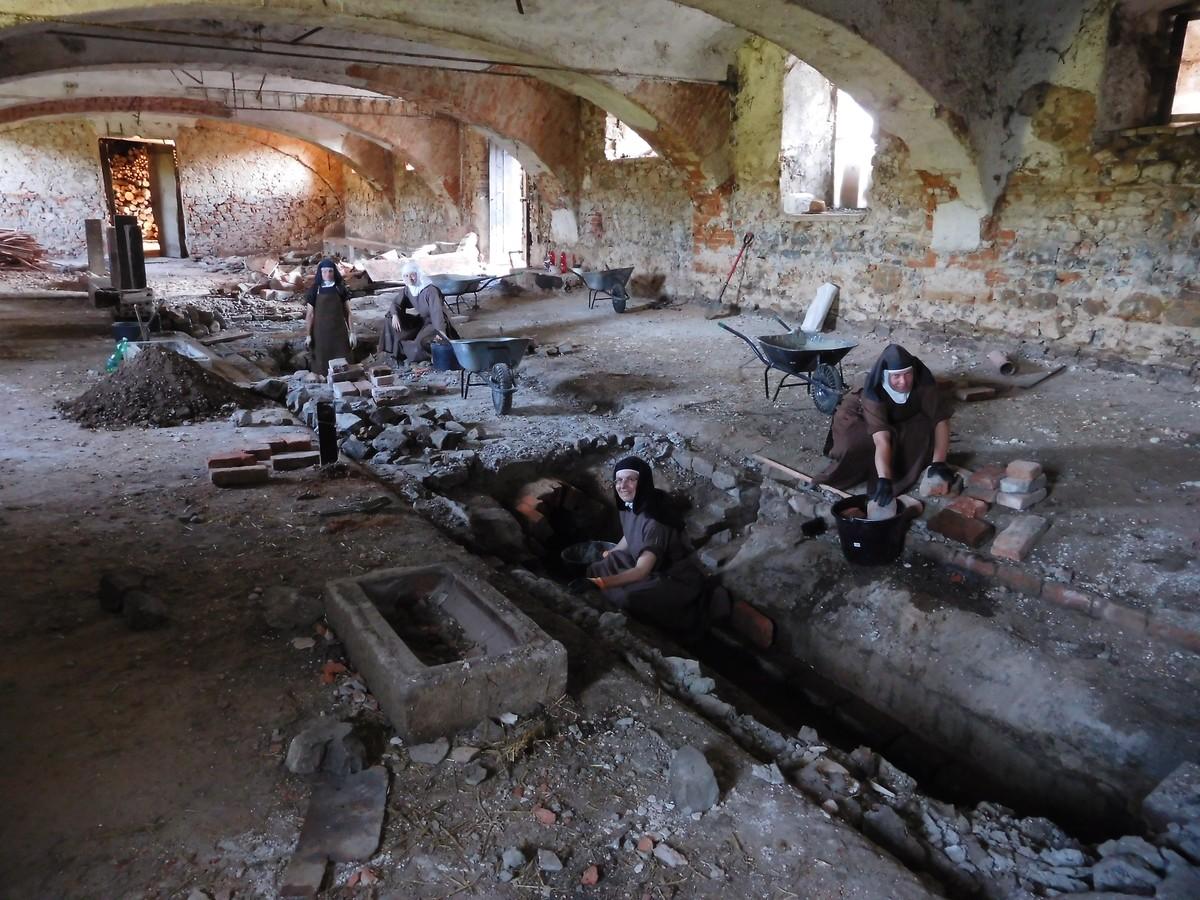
[{"x": 495, "y": 659}]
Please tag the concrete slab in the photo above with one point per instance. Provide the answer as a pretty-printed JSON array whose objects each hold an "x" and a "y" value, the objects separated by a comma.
[{"x": 518, "y": 669}]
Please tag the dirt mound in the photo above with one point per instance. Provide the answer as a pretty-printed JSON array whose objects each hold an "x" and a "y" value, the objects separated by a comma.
[{"x": 155, "y": 389}]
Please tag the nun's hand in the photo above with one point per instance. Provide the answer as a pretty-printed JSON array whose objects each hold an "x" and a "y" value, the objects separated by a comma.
[
  {"x": 883, "y": 492},
  {"x": 353, "y": 340},
  {"x": 308, "y": 342}
]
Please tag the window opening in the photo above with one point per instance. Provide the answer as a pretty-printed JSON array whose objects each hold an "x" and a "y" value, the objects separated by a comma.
[
  {"x": 1185, "y": 105},
  {"x": 826, "y": 144},
  {"x": 622, "y": 142}
]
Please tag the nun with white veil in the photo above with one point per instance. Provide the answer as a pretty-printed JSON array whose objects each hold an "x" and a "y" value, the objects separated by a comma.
[
  {"x": 890, "y": 430},
  {"x": 417, "y": 315}
]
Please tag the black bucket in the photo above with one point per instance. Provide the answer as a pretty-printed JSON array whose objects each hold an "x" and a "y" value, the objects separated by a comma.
[
  {"x": 442, "y": 355},
  {"x": 872, "y": 543},
  {"x": 584, "y": 554}
]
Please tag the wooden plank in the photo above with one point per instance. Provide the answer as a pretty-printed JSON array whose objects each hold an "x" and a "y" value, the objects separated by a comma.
[
  {"x": 797, "y": 474},
  {"x": 222, "y": 336}
]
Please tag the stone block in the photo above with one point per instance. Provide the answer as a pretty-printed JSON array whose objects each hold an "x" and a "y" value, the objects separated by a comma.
[
  {"x": 987, "y": 476},
  {"x": 345, "y": 389},
  {"x": 935, "y": 486},
  {"x": 393, "y": 395},
  {"x": 1020, "y": 501},
  {"x": 1017, "y": 540},
  {"x": 520, "y": 669},
  {"x": 957, "y": 527},
  {"x": 289, "y": 462},
  {"x": 972, "y": 507},
  {"x": 1021, "y": 485},
  {"x": 752, "y": 625},
  {"x": 1023, "y": 470},
  {"x": 242, "y": 476},
  {"x": 1176, "y": 799},
  {"x": 364, "y": 386},
  {"x": 693, "y": 784},
  {"x": 231, "y": 460}
]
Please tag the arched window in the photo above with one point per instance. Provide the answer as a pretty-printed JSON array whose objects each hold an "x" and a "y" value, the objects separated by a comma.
[{"x": 622, "y": 142}]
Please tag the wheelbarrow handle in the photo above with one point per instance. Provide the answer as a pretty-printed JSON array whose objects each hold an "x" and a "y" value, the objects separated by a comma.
[
  {"x": 783, "y": 323},
  {"x": 753, "y": 344}
]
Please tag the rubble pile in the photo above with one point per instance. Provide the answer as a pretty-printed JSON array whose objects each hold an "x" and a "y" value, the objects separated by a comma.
[
  {"x": 157, "y": 388},
  {"x": 287, "y": 277}
]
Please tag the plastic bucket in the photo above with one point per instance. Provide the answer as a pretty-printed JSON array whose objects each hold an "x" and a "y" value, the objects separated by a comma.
[
  {"x": 872, "y": 543},
  {"x": 442, "y": 355},
  {"x": 586, "y": 553}
]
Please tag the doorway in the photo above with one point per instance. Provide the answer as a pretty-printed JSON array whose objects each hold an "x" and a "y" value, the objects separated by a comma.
[
  {"x": 141, "y": 179},
  {"x": 508, "y": 211}
]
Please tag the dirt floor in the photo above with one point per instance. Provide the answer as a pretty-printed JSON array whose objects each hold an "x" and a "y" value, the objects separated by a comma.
[{"x": 148, "y": 764}]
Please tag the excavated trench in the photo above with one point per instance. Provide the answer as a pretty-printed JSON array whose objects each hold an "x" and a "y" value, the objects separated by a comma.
[{"x": 958, "y": 747}]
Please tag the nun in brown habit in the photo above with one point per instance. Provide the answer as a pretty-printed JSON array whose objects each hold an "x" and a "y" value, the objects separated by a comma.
[
  {"x": 653, "y": 572},
  {"x": 327, "y": 323},
  {"x": 888, "y": 432},
  {"x": 417, "y": 315}
]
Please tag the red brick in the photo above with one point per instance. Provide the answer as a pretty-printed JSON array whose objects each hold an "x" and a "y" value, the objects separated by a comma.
[
  {"x": 987, "y": 495},
  {"x": 1017, "y": 540},
  {"x": 1173, "y": 634},
  {"x": 963, "y": 529},
  {"x": 752, "y": 625},
  {"x": 987, "y": 477},
  {"x": 1023, "y": 470},
  {"x": 287, "y": 462},
  {"x": 364, "y": 387},
  {"x": 259, "y": 452},
  {"x": 1019, "y": 580},
  {"x": 972, "y": 507},
  {"x": 1062, "y": 594},
  {"x": 345, "y": 389},
  {"x": 278, "y": 444},
  {"x": 1125, "y": 617},
  {"x": 231, "y": 460},
  {"x": 976, "y": 564},
  {"x": 296, "y": 443},
  {"x": 240, "y": 476}
]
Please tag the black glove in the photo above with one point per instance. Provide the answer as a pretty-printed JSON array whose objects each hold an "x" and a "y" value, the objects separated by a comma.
[
  {"x": 883, "y": 492},
  {"x": 943, "y": 471}
]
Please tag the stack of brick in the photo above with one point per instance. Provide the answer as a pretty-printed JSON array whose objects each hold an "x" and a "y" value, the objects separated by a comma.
[
  {"x": 984, "y": 483},
  {"x": 1023, "y": 485},
  {"x": 246, "y": 468},
  {"x": 348, "y": 380}
]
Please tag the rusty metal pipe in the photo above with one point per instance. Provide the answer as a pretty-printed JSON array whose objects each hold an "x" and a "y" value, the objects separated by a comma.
[{"x": 1002, "y": 362}]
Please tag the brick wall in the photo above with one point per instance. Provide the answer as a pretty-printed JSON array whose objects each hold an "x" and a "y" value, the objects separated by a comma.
[
  {"x": 246, "y": 191},
  {"x": 410, "y": 217}
]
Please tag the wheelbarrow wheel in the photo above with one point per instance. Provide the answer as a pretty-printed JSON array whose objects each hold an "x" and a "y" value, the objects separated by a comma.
[
  {"x": 503, "y": 387},
  {"x": 619, "y": 304},
  {"x": 619, "y": 298},
  {"x": 827, "y": 388}
]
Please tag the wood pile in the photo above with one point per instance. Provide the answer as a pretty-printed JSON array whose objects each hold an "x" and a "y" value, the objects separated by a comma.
[
  {"x": 19, "y": 250},
  {"x": 131, "y": 188}
]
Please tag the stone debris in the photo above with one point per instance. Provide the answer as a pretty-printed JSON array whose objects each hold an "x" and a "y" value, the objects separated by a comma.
[
  {"x": 1017, "y": 540},
  {"x": 325, "y": 746},
  {"x": 669, "y": 856},
  {"x": 693, "y": 784},
  {"x": 430, "y": 754},
  {"x": 548, "y": 861},
  {"x": 285, "y": 608},
  {"x": 1175, "y": 801}
]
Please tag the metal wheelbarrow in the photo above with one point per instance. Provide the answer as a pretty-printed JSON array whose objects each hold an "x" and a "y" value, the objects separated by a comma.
[
  {"x": 607, "y": 284},
  {"x": 498, "y": 358},
  {"x": 814, "y": 360},
  {"x": 455, "y": 287}
]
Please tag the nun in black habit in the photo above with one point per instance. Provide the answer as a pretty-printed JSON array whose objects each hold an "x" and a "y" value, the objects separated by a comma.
[
  {"x": 653, "y": 572},
  {"x": 890, "y": 430},
  {"x": 327, "y": 318}
]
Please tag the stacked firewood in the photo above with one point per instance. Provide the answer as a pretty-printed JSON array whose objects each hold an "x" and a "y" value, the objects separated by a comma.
[{"x": 19, "y": 250}]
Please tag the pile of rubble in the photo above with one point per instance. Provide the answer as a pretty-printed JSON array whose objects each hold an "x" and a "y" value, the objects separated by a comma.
[
  {"x": 287, "y": 277},
  {"x": 156, "y": 388}
]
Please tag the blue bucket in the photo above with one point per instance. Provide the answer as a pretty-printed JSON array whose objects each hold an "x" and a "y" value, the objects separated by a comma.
[
  {"x": 131, "y": 331},
  {"x": 443, "y": 357}
]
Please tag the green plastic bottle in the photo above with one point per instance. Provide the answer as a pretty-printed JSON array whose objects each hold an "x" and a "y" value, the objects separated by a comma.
[{"x": 114, "y": 361}]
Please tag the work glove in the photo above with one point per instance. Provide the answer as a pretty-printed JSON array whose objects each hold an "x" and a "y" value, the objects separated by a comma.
[
  {"x": 941, "y": 470},
  {"x": 883, "y": 492},
  {"x": 353, "y": 340},
  {"x": 308, "y": 342}
]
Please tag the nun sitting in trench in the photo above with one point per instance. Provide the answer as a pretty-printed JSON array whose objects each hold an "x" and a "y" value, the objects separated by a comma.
[
  {"x": 327, "y": 323},
  {"x": 653, "y": 572},
  {"x": 417, "y": 316},
  {"x": 890, "y": 430}
]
